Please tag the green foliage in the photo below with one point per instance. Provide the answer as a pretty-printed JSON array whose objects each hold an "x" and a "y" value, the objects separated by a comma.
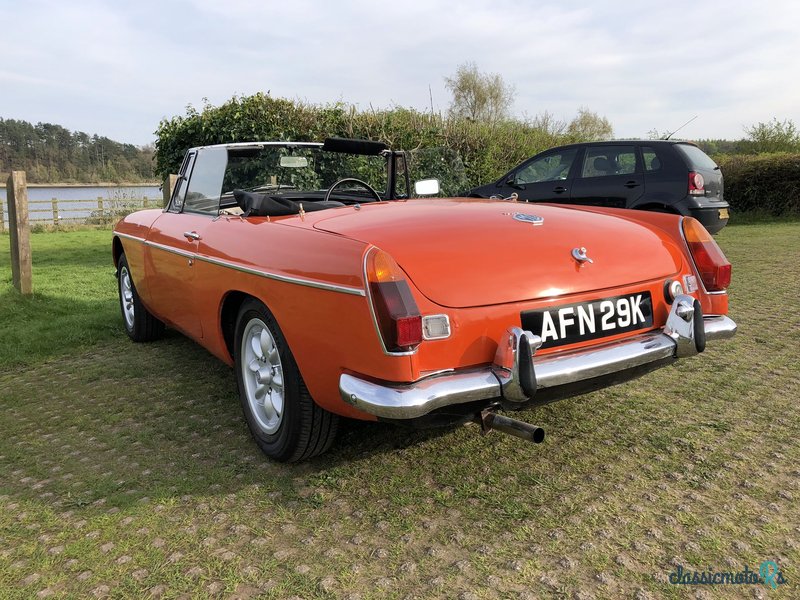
[
  {"x": 460, "y": 152},
  {"x": 715, "y": 147},
  {"x": 767, "y": 183},
  {"x": 775, "y": 136},
  {"x": 479, "y": 96},
  {"x": 50, "y": 153},
  {"x": 588, "y": 125}
]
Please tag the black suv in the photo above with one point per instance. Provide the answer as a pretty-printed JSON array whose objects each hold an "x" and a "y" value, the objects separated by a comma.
[{"x": 659, "y": 175}]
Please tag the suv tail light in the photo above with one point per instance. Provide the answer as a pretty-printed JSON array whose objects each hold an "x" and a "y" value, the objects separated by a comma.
[
  {"x": 714, "y": 268},
  {"x": 696, "y": 184},
  {"x": 396, "y": 314}
]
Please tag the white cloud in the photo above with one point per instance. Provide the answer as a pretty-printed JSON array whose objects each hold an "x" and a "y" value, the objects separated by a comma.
[{"x": 118, "y": 68}]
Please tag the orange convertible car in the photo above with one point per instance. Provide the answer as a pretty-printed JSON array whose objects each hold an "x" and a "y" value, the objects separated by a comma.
[{"x": 312, "y": 270}]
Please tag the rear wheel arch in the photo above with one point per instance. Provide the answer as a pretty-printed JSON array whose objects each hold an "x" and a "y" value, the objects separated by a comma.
[{"x": 229, "y": 311}]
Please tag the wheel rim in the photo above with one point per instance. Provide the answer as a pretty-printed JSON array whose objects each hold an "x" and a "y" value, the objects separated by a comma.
[
  {"x": 262, "y": 374},
  {"x": 126, "y": 296}
]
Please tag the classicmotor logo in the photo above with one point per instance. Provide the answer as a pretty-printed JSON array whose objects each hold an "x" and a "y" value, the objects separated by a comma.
[{"x": 768, "y": 573}]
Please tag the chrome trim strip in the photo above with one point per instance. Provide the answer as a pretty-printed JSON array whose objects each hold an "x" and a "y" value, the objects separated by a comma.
[
  {"x": 408, "y": 401},
  {"x": 260, "y": 145},
  {"x": 169, "y": 249},
  {"x": 331, "y": 287},
  {"x": 128, "y": 236}
]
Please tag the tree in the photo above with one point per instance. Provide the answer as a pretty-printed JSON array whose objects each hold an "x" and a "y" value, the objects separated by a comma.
[
  {"x": 775, "y": 136},
  {"x": 479, "y": 96},
  {"x": 588, "y": 126}
]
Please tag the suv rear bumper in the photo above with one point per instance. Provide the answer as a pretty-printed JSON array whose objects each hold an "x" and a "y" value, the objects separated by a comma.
[{"x": 516, "y": 375}]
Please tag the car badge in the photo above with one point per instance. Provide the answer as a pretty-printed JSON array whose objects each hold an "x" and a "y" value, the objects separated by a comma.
[
  {"x": 579, "y": 254},
  {"x": 525, "y": 218}
]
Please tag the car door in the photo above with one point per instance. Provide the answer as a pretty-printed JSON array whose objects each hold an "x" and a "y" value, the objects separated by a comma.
[
  {"x": 609, "y": 176},
  {"x": 546, "y": 177},
  {"x": 174, "y": 239}
]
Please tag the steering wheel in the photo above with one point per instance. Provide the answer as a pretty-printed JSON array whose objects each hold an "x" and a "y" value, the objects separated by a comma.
[{"x": 352, "y": 180}]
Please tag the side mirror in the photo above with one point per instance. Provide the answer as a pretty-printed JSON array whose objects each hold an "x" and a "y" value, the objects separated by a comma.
[{"x": 426, "y": 187}]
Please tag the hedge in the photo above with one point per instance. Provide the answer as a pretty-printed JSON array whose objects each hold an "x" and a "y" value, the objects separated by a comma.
[
  {"x": 459, "y": 152},
  {"x": 764, "y": 183}
]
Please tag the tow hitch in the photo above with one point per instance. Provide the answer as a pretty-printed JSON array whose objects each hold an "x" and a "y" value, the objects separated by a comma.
[{"x": 488, "y": 419}]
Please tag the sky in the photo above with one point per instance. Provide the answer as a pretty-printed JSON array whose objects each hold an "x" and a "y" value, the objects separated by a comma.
[{"x": 116, "y": 68}]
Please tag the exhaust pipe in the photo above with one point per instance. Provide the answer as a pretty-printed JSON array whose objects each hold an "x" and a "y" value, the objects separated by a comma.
[{"x": 488, "y": 420}]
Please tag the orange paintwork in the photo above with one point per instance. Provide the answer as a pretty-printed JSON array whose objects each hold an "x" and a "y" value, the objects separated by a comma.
[{"x": 466, "y": 258}]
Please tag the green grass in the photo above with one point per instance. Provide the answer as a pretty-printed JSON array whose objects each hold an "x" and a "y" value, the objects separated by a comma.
[
  {"x": 127, "y": 469},
  {"x": 74, "y": 300}
]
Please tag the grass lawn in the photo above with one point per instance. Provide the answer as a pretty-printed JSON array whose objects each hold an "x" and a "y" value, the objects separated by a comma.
[
  {"x": 127, "y": 470},
  {"x": 74, "y": 301}
]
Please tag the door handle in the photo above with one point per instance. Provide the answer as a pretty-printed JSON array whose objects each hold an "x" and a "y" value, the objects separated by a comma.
[
  {"x": 632, "y": 184},
  {"x": 560, "y": 190},
  {"x": 191, "y": 235}
]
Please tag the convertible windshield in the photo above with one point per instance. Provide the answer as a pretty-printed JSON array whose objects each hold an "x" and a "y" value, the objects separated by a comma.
[{"x": 295, "y": 170}]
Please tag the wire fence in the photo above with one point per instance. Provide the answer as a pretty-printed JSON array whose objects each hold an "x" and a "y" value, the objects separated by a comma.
[{"x": 94, "y": 211}]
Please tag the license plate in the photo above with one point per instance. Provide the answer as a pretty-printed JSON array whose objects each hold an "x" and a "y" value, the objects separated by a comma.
[
  {"x": 723, "y": 213},
  {"x": 581, "y": 321}
]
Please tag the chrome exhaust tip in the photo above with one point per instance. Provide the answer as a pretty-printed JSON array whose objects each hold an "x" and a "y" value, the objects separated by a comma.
[{"x": 488, "y": 420}]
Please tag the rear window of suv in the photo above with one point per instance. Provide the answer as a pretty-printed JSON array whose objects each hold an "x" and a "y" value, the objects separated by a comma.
[{"x": 696, "y": 157}]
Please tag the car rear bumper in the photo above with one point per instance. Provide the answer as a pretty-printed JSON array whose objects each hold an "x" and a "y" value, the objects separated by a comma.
[
  {"x": 713, "y": 215},
  {"x": 517, "y": 376}
]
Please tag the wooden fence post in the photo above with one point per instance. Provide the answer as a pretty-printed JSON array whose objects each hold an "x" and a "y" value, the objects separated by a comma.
[
  {"x": 55, "y": 212},
  {"x": 168, "y": 187},
  {"x": 100, "y": 208},
  {"x": 145, "y": 202},
  {"x": 2, "y": 219},
  {"x": 17, "y": 195}
]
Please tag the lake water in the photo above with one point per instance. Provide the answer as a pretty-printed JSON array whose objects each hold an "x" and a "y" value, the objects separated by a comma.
[{"x": 82, "y": 200}]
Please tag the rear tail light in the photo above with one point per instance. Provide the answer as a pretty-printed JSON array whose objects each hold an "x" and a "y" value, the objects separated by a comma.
[
  {"x": 713, "y": 267},
  {"x": 396, "y": 314},
  {"x": 696, "y": 184}
]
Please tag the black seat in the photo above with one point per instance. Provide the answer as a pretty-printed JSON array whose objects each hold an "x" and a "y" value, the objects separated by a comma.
[{"x": 264, "y": 205}]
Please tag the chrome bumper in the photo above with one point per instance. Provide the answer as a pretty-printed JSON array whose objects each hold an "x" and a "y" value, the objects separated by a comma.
[{"x": 516, "y": 374}]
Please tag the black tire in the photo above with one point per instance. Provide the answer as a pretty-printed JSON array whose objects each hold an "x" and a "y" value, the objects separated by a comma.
[
  {"x": 303, "y": 429},
  {"x": 141, "y": 326}
]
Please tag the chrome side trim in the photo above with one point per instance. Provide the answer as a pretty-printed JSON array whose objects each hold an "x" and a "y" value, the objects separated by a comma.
[
  {"x": 169, "y": 249},
  {"x": 408, "y": 401},
  {"x": 331, "y": 287},
  {"x": 128, "y": 236}
]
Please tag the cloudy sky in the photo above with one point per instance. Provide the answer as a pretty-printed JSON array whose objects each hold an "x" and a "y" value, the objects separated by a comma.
[{"x": 117, "y": 68}]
